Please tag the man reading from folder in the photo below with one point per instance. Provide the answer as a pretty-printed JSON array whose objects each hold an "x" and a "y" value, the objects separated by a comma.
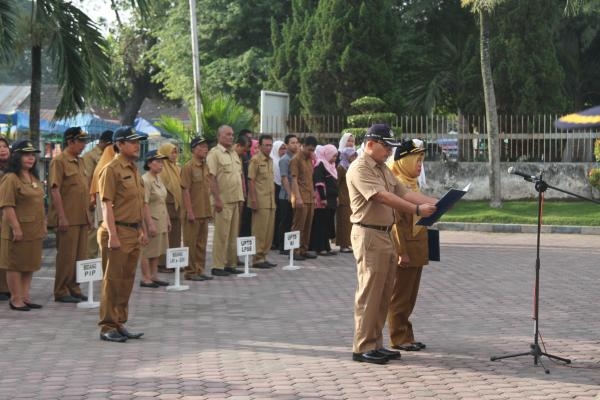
[{"x": 376, "y": 196}]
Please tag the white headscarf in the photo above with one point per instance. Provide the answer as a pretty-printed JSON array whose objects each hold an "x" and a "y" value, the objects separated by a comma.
[
  {"x": 344, "y": 141},
  {"x": 275, "y": 157}
]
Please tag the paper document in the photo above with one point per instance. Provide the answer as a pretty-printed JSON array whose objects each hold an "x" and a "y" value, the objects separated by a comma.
[{"x": 443, "y": 205}]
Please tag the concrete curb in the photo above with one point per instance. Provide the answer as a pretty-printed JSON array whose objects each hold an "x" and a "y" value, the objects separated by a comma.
[{"x": 516, "y": 228}]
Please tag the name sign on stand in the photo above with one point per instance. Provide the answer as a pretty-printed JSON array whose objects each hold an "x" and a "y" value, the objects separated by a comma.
[
  {"x": 291, "y": 241},
  {"x": 177, "y": 258},
  {"x": 89, "y": 271},
  {"x": 246, "y": 246}
]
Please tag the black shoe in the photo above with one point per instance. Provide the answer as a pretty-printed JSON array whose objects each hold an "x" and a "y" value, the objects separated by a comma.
[
  {"x": 32, "y": 305},
  {"x": 262, "y": 265},
  {"x": 373, "y": 357},
  {"x": 67, "y": 299},
  {"x": 219, "y": 272},
  {"x": 390, "y": 354},
  {"x": 160, "y": 283},
  {"x": 196, "y": 278},
  {"x": 270, "y": 264},
  {"x": 124, "y": 332},
  {"x": 80, "y": 296},
  {"x": 310, "y": 255},
  {"x": 4, "y": 296},
  {"x": 407, "y": 347},
  {"x": 207, "y": 277},
  {"x": 13, "y": 307},
  {"x": 233, "y": 270},
  {"x": 149, "y": 285},
  {"x": 113, "y": 336},
  {"x": 299, "y": 257}
]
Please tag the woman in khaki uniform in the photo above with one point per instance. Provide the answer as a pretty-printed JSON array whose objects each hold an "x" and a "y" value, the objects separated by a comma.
[
  {"x": 413, "y": 251},
  {"x": 23, "y": 224},
  {"x": 156, "y": 219},
  {"x": 171, "y": 177},
  {"x": 4, "y": 157}
]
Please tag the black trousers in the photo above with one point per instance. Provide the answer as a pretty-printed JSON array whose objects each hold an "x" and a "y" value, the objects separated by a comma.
[{"x": 285, "y": 223}]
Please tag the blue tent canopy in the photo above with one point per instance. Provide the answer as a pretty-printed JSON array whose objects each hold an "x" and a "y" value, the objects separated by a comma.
[
  {"x": 46, "y": 127},
  {"x": 93, "y": 125}
]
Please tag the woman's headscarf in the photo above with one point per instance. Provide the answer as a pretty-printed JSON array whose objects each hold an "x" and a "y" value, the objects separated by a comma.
[
  {"x": 325, "y": 154},
  {"x": 344, "y": 141},
  {"x": 345, "y": 155},
  {"x": 170, "y": 174},
  {"x": 107, "y": 156},
  {"x": 275, "y": 157}
]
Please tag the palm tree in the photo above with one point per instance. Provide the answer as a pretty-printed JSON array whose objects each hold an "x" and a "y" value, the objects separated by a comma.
[
  {"x": 483, "y": 9},
  {"x": 7, "y": 31}
]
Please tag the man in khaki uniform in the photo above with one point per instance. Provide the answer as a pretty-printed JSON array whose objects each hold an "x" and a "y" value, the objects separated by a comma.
[
  {"x": 90, "y": 160},
  {"x": 375, "y": 195},
  {"x": 225, "y": 169},
  {"x": 301, "y": 173},
  {"x": 196, "y": 200},
  {"x": 4, "y": 157},
  {"x": 261, "y": 200},
  {"x": 121, "y": 234},
  {"x": 69, "y": 214}
]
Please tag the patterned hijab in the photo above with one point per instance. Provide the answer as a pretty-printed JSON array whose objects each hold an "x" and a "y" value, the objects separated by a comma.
[{"x": 171, "y": 175}]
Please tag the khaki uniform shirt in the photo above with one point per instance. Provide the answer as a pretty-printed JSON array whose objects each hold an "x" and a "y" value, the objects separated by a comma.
[
  {"x": 260, "y": 171},
  {"x": 67, "y": 173},
  {"x": 195, "y": 178},
  {"x": 226, "y": 166},
  {"x": 121, "y": 183},
  {"x": 366, "y": 178},
  {"x": 155, "y": 195},
  {"x": 28, "y": 202},
  {"x": 90, "y": 160},
  {"x": 301, "y": 168}
]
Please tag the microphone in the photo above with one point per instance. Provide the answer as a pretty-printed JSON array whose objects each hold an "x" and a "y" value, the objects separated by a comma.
[{"x": 528, "y": 178}]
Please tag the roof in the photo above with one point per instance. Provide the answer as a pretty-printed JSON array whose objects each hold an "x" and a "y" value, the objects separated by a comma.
[{"x": 11, "y": 97}]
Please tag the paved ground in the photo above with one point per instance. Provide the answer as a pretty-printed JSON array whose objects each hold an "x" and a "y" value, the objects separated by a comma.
[{"x": 287, "y": 334}]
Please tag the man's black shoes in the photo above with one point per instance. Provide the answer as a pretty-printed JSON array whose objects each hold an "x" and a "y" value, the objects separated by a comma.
[
  {"x": 113, "y": 336},
  {"x": 124, "y": 332},
  {"x": 219, "y": 272},
  {"x": 233, "y": 270},
  {"x": 373, "y": 357},
  {"x": 390, "y": 354}
]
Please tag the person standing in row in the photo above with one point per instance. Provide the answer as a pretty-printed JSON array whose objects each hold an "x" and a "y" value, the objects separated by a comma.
[
  {"x": 301, "y": 173},
  {"x": 196, "y": 199},
  {"x": 23, "y": 224},
  {"x": 375, "y": 198},
  {"x": 225, "y": 169},
  {"x": 156, "y": 218},
  {"x": 412, "y": 248},
  {"x": 285, "y": 195},
  {"x": 343, "y": 225},
  {"x": 4, "y": 158},
  {"x": 242, "y": 147},
  {"x": 121, "y": 234},
  {"x": 261, "y": 200},
  {"x": 277, "y": 152},
  {"x": 171, "y": 177},
  {"x": 69, "y": 214},
  {"x": 90, "y": 160}
]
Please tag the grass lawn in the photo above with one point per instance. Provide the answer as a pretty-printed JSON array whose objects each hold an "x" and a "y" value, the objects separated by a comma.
[{"x": 568, "y": 213}]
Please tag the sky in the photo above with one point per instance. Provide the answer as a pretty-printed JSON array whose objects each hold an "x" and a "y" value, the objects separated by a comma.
[{"x": 97, "y": 10}]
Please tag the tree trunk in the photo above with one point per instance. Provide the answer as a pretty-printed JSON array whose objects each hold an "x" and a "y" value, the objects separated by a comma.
[
  {"x": 129, "y": 108},
  {"x": 35, "y": 96},
  {"x": 491, "y": 112}
]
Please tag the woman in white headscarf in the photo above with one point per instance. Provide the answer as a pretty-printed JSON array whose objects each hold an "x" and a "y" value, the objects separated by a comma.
[
  {"x": 347, "y": 140},
  {"x": 277, "y": 152}
]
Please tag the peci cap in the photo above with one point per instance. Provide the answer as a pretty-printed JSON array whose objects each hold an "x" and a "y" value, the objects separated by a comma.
[
  {"x": 76, "y": 133},
  {"x": 196, "y": 141},
  {"x": 409, "y": 146},
  {"x": 107, "y": 136},
  {"x": 24, "y": 146},
  {"x": 127, "y": 133},
  {"x": 383, "y": 133}
]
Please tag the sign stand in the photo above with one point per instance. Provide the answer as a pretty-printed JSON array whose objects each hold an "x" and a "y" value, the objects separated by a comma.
[
  {"x": 246, "y": 246},
  {"x": 89, "y": 271},
  {"x": 177, "y": 258},
  {"x": 291, "y": 241}
]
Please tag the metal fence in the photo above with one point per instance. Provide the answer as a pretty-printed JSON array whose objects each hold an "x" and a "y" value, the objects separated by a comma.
[{"x": 522, "y": 138}]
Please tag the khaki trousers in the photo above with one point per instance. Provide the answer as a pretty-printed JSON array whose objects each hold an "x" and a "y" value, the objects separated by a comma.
[
  {"x": 263, "y": 225},
  {"x": 93, "y": 251},
  {"x": 402, "y": 304},
  {"x": 227, "y": 226},
  {"x": 119, "y": 274},
  {"x": 302, "y": 222},
  {"x": 375, "y": 267},
  {"x": 71, "y": 246},
  {"x": 195, "y": 236}
]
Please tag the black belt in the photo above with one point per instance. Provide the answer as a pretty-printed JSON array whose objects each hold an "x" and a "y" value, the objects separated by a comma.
[
  {"x": 376, "y": 227},
  {"x": 133, "y": 225}
]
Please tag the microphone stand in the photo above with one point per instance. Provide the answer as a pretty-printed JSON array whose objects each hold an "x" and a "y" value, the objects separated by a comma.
[{"x": 535, "y": 350}]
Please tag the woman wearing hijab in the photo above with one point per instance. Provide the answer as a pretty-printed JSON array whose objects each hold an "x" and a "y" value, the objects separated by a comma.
[
  {"x": 277, "y": 152},
  {"x": 343, "y": 224},
  {"x": 171, "y": 177},
  {"x": 347, "y": 140},
  {"x": 411, "y": 244},
  {"x": 326, "y": 198}
]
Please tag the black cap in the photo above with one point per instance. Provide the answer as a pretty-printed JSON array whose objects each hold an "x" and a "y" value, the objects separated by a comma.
[
  {"x": 107, "y": 136},
  {"x": 24, "y": 146},
  {"x": 196, "y": 141},
  {"x": 127, "y": 133},
  {"x": 382, "y": 132},
  {"x": 76, "y": 133},
  {"x": 409, "y": 146},
  {"x": 151, "y": 156}
]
